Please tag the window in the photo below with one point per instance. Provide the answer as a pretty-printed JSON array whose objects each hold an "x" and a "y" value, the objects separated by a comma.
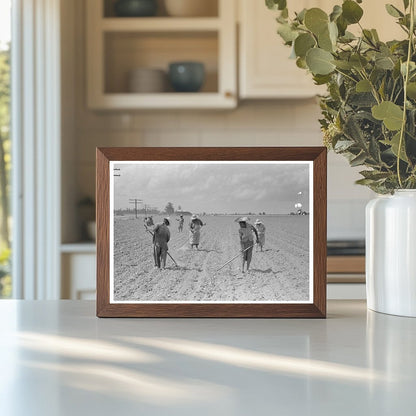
[{"x": 5, "y": 147}]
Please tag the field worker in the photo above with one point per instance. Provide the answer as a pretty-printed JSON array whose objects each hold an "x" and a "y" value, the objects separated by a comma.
[
  {"x": 261, "y": 231},
  {"x": 195, "y": 231},
  {"x": 148, "y": 222},
  {"x": 181, "y": 221},
  {"x": 161, "y": 237},
  {"x": 246, "y": 233}
]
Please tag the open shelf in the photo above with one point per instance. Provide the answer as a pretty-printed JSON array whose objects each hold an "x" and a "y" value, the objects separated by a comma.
[
  {"x": 87, "y": 247},
  {"x": 167, "y": 100},
  {"x": 119, "y": 45},
  {"x": 127, "y": 51},
  {"x": 160, "y": 24},
  {"x": 210, "y": 9}
]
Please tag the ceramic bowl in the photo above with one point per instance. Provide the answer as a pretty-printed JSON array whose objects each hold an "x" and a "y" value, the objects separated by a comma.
[
  {"x": 135, "y": 8},
  {"x": 186, "y": 76},
  {"x": 147, "y": 80}
]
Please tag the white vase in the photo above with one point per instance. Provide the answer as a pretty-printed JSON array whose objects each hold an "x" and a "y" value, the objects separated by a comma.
[{"x": 391, "y": 253}]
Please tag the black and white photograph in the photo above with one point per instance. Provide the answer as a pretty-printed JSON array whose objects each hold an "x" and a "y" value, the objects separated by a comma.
[{"x": 210, "y": 232}]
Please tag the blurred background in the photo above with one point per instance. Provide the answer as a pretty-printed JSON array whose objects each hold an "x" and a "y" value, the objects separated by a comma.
[{"x": 145, "y": 73}]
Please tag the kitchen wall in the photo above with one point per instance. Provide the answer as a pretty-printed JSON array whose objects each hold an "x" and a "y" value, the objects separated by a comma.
[{"x": 253, "y": 123}]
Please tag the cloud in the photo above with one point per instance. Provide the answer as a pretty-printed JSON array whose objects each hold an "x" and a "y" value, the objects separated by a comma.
[{"x": 215, "y": 187}]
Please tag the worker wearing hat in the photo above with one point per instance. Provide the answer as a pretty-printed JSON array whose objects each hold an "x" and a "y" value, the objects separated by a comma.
[
  {"x": 181, "y": 221},
  {"x": 261, "y": 231},
  {"x": 148, "y": 221},
  {"x": 161, "y": 237},
  {"x": 246, "y": 234},
  {"x": 195, "y": 231}
]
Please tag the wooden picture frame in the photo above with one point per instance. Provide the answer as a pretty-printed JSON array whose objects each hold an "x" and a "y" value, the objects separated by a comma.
[{"x": 225, "y": 158}]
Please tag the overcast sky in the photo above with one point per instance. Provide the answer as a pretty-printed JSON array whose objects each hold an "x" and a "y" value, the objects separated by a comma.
[{"x": 214, "y": 188}]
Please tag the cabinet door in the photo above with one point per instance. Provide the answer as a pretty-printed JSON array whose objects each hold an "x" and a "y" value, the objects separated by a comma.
[
  {"x": 78, "y": 276},
  {"x": 265, "y": 68},
  {"x": 376, "y": 17}
]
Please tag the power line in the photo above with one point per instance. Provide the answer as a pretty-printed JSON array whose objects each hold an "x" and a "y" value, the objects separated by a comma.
[{"x": 136, "y": 202}]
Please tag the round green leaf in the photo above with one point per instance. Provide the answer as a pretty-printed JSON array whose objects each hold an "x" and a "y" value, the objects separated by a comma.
[
  {"x": 316, "y": 20},
  {"x": 363, "y": 86},
  {"x": 303, "y": 43},
  {"x": 411, "y": 90},
  {"x": 384, "y": 62},
  {"x": 375, "y": 35},
  {"x": 336, "y": 12},
  {"x": 358, "y": 61},
  {"x": 333, "y": 32},
  {"x": 324, "y": 41},
  {"x": 393, "y": 11},
  {"x": 276, "y": 4},
  {"x": 319, "y": 61},
  {"x": 351, "y": 11},
  {"x": 394, "y": 144},
  {"x": 391, "y": 114},
  {"x": 344, "y": 65},
  {"x": 301, "y": 15},
  {"x": 322, "y": 79},
  {"x": 287, "y": 33},
  {"x": 328, "y": 38},
  {"x": 342, "y": 25},
  {"x": 412, "y": 67},
  {"x": 301, "y": 63},
  {"x": 348, "y": 37}
]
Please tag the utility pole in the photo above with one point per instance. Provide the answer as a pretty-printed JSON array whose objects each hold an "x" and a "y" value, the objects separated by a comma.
[{"x": 136, "y": 202}]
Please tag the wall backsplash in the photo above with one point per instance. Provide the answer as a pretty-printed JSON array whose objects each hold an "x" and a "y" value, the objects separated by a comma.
[{"x": 253, "y": 123}]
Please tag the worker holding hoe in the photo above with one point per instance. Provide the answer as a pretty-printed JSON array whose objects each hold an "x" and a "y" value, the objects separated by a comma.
[
  {"x": 161, "y": 237},
  {"x": 247, "y": 233},
  {"x": 195, "y": 231},
  {"x": 261, "y": 231},
  {"x": 181, "y": 221}
]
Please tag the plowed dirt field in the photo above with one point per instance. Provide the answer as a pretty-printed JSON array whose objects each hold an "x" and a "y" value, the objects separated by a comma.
[{"x": 279, "y": 273}]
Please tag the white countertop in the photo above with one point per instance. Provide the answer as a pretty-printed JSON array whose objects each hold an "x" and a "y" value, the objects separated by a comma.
[{"x": 57, "y": 358}]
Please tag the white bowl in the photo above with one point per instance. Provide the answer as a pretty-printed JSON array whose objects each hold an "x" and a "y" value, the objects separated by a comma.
[
  {"x": 191, "y": 8},
  {"x": 147, "y": 80}
]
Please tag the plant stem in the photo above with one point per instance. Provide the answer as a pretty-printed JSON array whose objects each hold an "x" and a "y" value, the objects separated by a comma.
[
  {"x": 346, "y": 75},
  {"x": 373, "y": 88},
  {"x": 397, "y": 95},
  {"x": 405, "y": 81},
  {"x": 391, "y": 98}
]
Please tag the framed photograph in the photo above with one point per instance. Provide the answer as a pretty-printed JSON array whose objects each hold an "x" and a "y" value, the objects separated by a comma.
[{"x": 211, "y": 232}]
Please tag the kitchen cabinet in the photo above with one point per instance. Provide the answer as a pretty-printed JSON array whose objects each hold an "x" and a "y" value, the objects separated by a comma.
[
  {"x": 265, "y": 70},
  {"x": 78, "y": 263},
  {"x": 118, "y": 45},
  {"x": 345, "y": 279}
]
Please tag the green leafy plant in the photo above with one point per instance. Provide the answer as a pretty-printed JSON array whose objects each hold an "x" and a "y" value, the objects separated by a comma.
[{"x": 369, "y": 113}]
